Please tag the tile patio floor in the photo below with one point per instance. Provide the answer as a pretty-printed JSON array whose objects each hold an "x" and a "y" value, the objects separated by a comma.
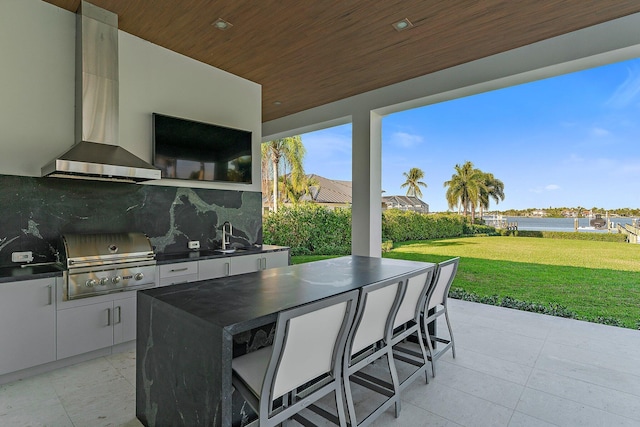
[{"x": 512, "y": 369}]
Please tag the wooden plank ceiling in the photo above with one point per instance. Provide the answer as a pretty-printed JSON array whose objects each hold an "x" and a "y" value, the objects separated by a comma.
[{"x": 309, "y": 53}]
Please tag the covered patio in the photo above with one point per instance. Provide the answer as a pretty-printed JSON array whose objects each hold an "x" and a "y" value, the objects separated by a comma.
[{"x": 512, "y": 368}]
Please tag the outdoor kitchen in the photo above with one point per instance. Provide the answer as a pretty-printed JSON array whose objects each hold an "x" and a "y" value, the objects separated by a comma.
[
  {"x": 81, "y": 232},
  {"x": 133, "y": 273}
]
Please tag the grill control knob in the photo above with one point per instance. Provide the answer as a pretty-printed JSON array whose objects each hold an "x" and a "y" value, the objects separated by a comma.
[
  {"x": 104, "y": 281},
  {"x": 138, "y": 276},
  {"x": 91, "y": 283},
  {"x": 116, "y": 279}
]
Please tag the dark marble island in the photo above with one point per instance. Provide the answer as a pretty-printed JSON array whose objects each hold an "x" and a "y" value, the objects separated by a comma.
[{"x": 186, "y": 332}]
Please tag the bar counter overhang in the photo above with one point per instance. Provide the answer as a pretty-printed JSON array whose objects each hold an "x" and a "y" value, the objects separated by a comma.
[{"x": 185, "y": 331}]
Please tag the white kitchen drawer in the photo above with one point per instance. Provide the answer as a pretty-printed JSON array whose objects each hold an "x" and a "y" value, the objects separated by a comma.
[
  {"x": 178, "y": 269},
  {"x": 174, "y": 280}
]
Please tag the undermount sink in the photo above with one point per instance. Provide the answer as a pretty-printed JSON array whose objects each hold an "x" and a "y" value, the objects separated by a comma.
[
  {"x": 220, "y": 251},
  {"x": 227, "y": 251},
  {"x": 231, "y": 250}
]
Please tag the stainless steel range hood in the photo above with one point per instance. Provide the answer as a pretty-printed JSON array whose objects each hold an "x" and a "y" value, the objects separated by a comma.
[{"x": 96, "y": 153}]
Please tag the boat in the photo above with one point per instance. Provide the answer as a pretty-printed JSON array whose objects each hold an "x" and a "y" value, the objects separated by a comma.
[{"x": 598, "y": 222}]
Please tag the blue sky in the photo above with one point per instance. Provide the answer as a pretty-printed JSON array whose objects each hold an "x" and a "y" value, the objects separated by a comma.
[{"x": 572, "y": 140}]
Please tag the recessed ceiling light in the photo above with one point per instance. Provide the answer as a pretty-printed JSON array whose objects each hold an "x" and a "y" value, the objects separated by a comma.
[
  {"x": 222, "y": 25},
  {"x": 277, "y": 103},
  {"x": 405, "y": 24}
]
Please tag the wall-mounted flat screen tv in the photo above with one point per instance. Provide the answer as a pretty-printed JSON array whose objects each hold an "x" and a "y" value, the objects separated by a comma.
[{"x": 187, "y": 149}]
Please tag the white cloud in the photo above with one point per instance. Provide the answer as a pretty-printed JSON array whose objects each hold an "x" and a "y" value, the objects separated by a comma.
[
  {"x": 406, "y": 140},
  {"x": 629, "y": 169},
  {"x": 605, "y": 164},
  {"x": 575, "y": 158},
  {"x": 326, "y": 145},
  {"x": 600, "y": 132},
  {"x": 627, "y": 91},
  {"x": 540, "y": 189}
]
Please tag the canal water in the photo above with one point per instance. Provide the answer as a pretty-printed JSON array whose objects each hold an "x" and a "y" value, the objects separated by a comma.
[{"x": 555, "y": 224}]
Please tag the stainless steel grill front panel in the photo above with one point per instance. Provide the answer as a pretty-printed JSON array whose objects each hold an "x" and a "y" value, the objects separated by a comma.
[
  {"x": 88, "y": 282},
  {"x": 99, "y": 264}
]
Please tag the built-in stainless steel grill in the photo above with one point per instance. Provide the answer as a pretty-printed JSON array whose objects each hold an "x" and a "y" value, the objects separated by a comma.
[{"x": 99, "y": 264}]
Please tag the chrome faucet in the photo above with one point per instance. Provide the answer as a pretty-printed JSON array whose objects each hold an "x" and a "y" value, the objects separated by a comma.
[{"x": 227, "y": 232}]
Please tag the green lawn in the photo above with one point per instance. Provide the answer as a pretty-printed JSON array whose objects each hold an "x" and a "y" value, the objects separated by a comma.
[{"x": 592, "y": 279}]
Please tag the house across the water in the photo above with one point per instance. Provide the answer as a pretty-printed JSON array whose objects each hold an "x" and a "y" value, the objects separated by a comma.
[{"x": 333, "y": 193}]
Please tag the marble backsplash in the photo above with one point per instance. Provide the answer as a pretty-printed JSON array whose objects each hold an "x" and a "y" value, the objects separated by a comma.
[{"x": 34, "y": 212}]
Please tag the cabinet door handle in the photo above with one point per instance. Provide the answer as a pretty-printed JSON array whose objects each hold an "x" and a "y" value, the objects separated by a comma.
[
  {"x": 175, "y": 270},
  {"x": 108, "y": 317},
  {"x": 50, "y": 294},
  {"x": 226, "y": 269},
  {"x": 264, "y": 263},
  {"x": 118, "y": 318}
]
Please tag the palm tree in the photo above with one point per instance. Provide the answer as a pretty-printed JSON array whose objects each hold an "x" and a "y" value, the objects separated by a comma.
[
  {"x": 465, "y": 187},
  {"x": 494, "y": 190},
  {"x": 285, "y": 152},
  {"x": 294, "y": 191},
  {"x": 413, "y": 182}
]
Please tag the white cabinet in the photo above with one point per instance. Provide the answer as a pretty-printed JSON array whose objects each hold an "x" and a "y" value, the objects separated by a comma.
[
  {"x": 191, "y": 271},
  {"x": 85, "y": 328},
  {"x": 124, "y": 324},
  {"x": 27, "y": 324},
  {"x": 257, "y": 262},
  {"x": 214, "y": 268},
  {"x": 275, "y": 259},
  {"x": 246, "y": 264},
  {"x": 181, "y": 272}
]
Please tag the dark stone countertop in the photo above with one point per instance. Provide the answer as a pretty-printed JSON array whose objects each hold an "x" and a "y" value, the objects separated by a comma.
[
  {"x": 242, "y": 302},
  {"x": 17, "y": 273},
  {"x": 14, "y": 274},
  {"x": 203, "y": 254}
]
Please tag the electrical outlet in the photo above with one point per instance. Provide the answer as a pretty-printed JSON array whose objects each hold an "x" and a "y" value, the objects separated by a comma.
[
  {"x": 22, "y": 256},
  {"x": 194, "y": 244}
]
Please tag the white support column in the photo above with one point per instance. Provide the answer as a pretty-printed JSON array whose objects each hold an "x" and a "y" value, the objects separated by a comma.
[{"x": 366, "y": 234}]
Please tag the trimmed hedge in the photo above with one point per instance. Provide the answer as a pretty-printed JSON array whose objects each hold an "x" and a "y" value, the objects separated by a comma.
[
  {"x": 313, "y": 229},
  {"x": 400, "y": 226},
  {"x": 309, "y": 229},
  {"x": 570, "y": 235}
]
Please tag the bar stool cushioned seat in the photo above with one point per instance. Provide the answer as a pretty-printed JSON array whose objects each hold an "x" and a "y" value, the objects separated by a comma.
[
  {"x": 370, "y": 340},
  {"x": 303, "y": 364},
  {"x": 408, "y": 325},
  {"x": 436, "y": 306}
]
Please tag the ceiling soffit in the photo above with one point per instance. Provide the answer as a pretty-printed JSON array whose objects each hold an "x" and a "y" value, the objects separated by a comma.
[{"x": 307, "y": 54}]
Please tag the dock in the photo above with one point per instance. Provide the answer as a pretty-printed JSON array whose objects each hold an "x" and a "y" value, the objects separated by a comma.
[
  {"x": 631, "y": 230},
  {"x": 500, "y": 223}
]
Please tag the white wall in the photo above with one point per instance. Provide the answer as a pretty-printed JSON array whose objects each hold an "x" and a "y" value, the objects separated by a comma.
[{"x": 37, "y": 84}]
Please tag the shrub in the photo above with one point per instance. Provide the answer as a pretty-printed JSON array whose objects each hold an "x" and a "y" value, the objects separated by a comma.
[
  {"x": 606, "y": 320},
  {"x": 401, "y": 226},
  {"x": 478, "y": 229},
  {"x": 549, "y": 309},
  {"x": 508, "y": 302},
  {"x": 309, "y": 229},
  {"x": 387, "y": 246}
]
